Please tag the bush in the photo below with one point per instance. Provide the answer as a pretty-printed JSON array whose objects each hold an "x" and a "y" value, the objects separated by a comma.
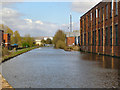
[
  {"x": 5, "y": 52},
  {"x": 76, "y": 48},
  {"x": 60, "y": 44},
  {"x": 58, "y": 36},
  {"x": 25, "y": 44}
]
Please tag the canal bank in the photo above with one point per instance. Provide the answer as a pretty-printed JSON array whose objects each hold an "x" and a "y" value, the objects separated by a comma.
[
  {"x": 16, "y": 53},
  {"x": 4, "y": 84}
]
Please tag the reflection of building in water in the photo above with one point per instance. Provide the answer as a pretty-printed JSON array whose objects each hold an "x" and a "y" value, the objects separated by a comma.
[
  {"x": 103, "y": 61},
  {"x": 112, "y": 63},
  {"x": 100, "y": 29}
]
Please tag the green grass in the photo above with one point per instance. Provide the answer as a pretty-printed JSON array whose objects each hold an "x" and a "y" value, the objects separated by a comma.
[{"x": 13, "y": 54}]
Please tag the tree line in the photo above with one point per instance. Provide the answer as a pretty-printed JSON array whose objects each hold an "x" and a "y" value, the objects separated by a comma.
[{"x": 16, "y": 38}]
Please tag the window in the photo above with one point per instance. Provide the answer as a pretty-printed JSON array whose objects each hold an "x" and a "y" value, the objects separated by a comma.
[
  {"x": 81, "y": 30},
  {"x": 88, "y": 20},
  {"x": 91, "y": 15},
  {"x": 99, "y": 15},
  {"x": 96, "y": 13},
  {"x": 102, "y": 36},
  {"x": 111, "y": 35},
  {"x": 99, "y": 37},
  {"x": 81, "y": 25},
  {"x": 84, "y": 39},
  {"x": 116, "y": 7},
  {"x": 85, "y": 24},
  {"x": 110, "y": 9},
  {"x": 93, "y": 18},
  {"x": 88, "y": 38},
  {"x": 93, "y": 38},
  {"x": 106, "y": 11},
  {"x": 102, "y": 13},
  {"x": 81, "y": 39},
  {"x": 116, "y": 29},
  {"x": 106, "y": 37}
]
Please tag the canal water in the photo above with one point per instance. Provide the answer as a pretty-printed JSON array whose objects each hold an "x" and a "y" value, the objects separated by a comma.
[{"x": 55, "y": 68}]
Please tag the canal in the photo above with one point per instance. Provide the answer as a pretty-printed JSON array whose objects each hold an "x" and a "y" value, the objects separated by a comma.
[{"x": 55, "y": 68}]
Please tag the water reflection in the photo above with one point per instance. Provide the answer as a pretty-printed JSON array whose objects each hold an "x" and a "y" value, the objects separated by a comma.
[
  {"x": 56, "y": 68},
  {"x": 103, "y": 61}
]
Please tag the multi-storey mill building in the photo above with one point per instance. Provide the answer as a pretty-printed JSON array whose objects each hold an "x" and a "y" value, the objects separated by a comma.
[{"x": 100, "y": 29}]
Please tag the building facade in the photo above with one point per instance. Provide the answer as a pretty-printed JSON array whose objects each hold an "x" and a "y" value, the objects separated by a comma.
[
  {"x": 100, "y": 29},
  {"x": 73, "y": 38},
  {"x": 70, "y": 41},
  {"x": 6, "y": 38}
]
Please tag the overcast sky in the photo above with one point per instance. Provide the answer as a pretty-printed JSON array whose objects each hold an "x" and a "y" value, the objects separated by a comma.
[{"x": 43, "y": 18}]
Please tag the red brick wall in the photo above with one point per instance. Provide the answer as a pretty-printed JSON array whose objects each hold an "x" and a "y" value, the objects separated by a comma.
[
  {"x": 70, "y": 40},
  {"x": 102, "y": 49},
  {"x": 7, "y": 39}
]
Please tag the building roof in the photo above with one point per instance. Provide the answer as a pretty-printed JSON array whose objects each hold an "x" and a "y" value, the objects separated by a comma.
[{"x": 73, "y": 34}]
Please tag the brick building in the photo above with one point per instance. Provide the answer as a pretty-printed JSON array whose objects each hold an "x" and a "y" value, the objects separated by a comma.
[
  {"x": 6, "y": 38},
  {"x": 70, "y": 41},
  {"x": 100, "y": 29},
  {"x": 1, "y": 37},
  {"x": 73, "y": 38}
]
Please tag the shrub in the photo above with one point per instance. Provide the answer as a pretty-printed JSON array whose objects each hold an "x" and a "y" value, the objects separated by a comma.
[
  {"x": 25, "y": 44},
  {"x": 5, "y": 52},
  {"x": 60, "y": 44},
  {"x": 58, "y": 36},
  {"x": 76, "y": 48}
]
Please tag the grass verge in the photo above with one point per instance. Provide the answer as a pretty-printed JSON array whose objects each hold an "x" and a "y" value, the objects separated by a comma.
[{"x": 14, "y": 54}]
